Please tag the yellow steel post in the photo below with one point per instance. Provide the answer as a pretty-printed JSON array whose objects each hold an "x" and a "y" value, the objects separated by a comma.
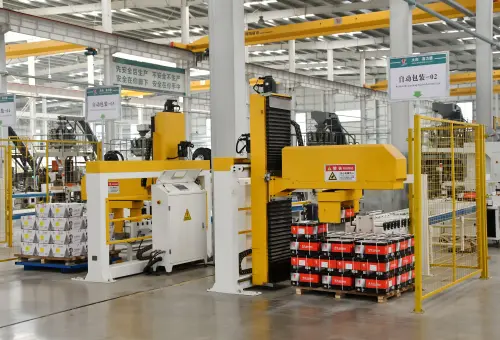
[
  {"x": 99, "y": 151},
  {"x": 417, "y": 216},
  {"x": 410, "y": 171},
  {"x": 484, "y": 239},
  {"x": 9, "y": 198},
  {"x": 47, "y": 198},
  {"x": 453, "y": 205}
]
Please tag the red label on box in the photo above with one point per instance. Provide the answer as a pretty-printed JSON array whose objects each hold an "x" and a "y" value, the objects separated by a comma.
[
  {"x": 345, "y": 264},
  {"x": 344, "y": 281},
  {"x": 378, "y": 250},
  {"x": 349, "y": 213},
  {"x": 380, "y": 284},
  {"x": 309, "y": 246},
  {"x": 312, "y": 278}
]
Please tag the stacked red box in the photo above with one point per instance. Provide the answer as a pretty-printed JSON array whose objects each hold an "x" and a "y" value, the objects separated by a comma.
[
  {"x": 371, "y": 263},
  {"x": 309, "y": 230}
]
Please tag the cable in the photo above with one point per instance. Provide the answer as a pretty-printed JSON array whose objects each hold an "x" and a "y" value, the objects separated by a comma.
[
  {"x": 241, "y": 256},
  {"x": 298, "y": 133},
  {"x": 112, "y": 155},
  {"x": 243, "y": 138}
]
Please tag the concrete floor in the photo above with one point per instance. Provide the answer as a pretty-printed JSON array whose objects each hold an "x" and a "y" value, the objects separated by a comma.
[{"x": 41, "y": 305}]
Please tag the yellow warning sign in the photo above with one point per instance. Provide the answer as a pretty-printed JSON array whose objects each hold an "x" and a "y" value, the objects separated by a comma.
[
  {"x": 187, "y": 216},
  {"x": 332, "y": 177}
]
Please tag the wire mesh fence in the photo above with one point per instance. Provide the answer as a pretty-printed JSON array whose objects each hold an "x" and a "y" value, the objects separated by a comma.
[{"x": 449, "y": 204}]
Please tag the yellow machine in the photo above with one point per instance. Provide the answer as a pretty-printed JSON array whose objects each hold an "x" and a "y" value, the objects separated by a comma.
[
  {"x": 339, "y": 172},
  {"x": 167, "y": 134}
]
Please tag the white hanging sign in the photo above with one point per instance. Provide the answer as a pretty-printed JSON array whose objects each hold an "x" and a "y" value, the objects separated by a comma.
[
  {"x": 7, "y": 109},
  {"x": 103, "y": 103},
  {"x": 417, "y": 77}
]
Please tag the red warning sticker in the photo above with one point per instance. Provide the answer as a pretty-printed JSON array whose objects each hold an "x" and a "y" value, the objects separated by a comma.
[{"x": 340, "y": 172}]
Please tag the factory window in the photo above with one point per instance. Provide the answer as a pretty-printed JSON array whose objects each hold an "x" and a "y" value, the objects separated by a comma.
[
  {"x": 467, "y": 110},
  {"x": 300, "y": 118},
  {"x": 208, "y": 127}
]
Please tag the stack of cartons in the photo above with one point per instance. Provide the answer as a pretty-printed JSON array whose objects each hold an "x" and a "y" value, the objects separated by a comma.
[{"x": 59, "y": 230}]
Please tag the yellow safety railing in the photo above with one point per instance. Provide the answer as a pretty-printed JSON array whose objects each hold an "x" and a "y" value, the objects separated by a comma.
[
  {"x": 123, "y": 219},
  {"x": 448, "y": 207}
]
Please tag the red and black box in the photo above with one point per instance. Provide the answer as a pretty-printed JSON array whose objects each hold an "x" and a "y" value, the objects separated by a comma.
[
  {"x": 305, "y": 248},
  {"x": 327, "y": 264},
  {"x": 373, "y": 267},
  {"x": 375, "y": 285},
  {"x": 305, "y": 264},
  {"x": 305, "y": 279},
  {"x": 376, "y": 247},
  {"x": 338, "y": 247},
  {"x": 309, "y": 230},
  {"x": 338, "y": 281}
]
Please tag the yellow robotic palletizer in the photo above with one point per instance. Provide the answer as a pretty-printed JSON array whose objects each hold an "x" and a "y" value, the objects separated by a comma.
[{"x": 338, "y": 172}]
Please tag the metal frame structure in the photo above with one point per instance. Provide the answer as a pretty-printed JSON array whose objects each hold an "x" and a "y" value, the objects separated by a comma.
[
  {"x": 98, "y": 175},
  {"x": 419, "y": 211}
]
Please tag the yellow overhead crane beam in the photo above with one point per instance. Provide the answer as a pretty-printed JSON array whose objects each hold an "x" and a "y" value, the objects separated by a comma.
[
  {"x": 361, "y": 22},
  {"x": 40, "y": 48}
]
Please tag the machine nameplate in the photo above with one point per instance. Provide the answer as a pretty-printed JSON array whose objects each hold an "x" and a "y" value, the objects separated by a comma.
[
  {"x": 340, "y": 172},
  {"x": 113, "y": 187}
]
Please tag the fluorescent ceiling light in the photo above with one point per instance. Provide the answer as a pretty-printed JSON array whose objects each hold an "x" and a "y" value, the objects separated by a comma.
[
  {"x": 264, "y": 2},
  {"x": 144, "y": 60}
]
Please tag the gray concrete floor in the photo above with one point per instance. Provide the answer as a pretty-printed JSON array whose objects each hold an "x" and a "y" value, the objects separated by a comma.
[{"x": 41, "y": 305}]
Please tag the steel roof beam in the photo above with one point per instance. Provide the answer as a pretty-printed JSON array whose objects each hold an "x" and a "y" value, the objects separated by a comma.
[
  {"x": 116, "y": 5},
  {"x": 60, "y": 31}
]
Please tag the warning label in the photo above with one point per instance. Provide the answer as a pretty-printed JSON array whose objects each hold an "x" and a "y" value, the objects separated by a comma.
[
  {"x": 187, "y": 216},
  {"x": 340, "y": 172},
  {"x": 113, "y": 187}
]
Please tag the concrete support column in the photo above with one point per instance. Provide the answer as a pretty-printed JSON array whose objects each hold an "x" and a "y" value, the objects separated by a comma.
[
  {"x": 484, "y": 63},
  {"x": 377, "y": 121},
  {"x": 109, "y": 133},
  {"x": 45, "y": 131},
  {"x": 291, "y": 56},
  {"x": 107, "y": 23},
  {"x": 228, "y": 109},
  {"x": 186, "y": 104},
  {"x": 497, "y": 112},
  {"x": 31, "y": 81},
  {"x": 362, "y": 100},
  {"x": 184, "y": 22},
  {"x": 3, "y": 62},
  {"x": 90, "y": 70},
  {"x": 140, "y": 115},
  {"x": 331, "y": 77},
  {"x": 401, "y": 44}
]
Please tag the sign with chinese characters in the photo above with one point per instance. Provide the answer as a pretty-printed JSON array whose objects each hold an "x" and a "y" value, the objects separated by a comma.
[
  {"x": 7, "y": 109},
  {"x": 144, "y": 76},
  {"x": 423, "y": 76},
  {"x": 103, "y": 103}
]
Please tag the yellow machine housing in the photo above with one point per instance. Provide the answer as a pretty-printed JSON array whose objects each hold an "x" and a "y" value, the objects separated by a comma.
[
  {"x": 277, "y": 169},
  {"x": 167, "y": 130}
]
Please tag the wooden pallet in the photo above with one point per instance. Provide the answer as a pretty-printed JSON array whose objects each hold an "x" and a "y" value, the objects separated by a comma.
[
  {"x": 340, "y": 294},
  {"x": 68, "y": 261}
]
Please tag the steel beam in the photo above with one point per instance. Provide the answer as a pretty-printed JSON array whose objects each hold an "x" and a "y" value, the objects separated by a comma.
[
  {"x": 55, "y": 30},
  {"x": 363, "y": 22},
  {"x": 40, "y": 48}
]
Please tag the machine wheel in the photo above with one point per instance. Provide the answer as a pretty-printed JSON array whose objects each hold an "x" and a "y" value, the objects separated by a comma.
[{"x": 202, "y": 154}]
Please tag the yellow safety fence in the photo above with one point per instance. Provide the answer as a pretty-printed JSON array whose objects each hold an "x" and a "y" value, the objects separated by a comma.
[
  {"x": 448, "y": 205},
  {"x": 28, "y": 165}
]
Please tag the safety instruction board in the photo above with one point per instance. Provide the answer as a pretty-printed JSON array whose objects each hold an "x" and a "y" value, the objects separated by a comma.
[
  {"x": 340, "y": 172},
  {"x": 113, "y": 187}
]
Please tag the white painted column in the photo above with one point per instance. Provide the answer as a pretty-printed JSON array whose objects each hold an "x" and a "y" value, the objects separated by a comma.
[
  {"x": 107, "y": 23},
  {"x": 31, "y": 81},
  {"x": 140, "y": 115},
  {"x": 188, "y": 119},
  {"x": 291, "y": 56},
  {"x": 184, "y": 22},
  {"x": 484, "y": 63},
  {"x": 362, "y": 100},
  {"x": 330, "y": 76},
  {"x": 401, "y": 45},
  {"x": 90, "y": 70},
  {"x": 45, "y": 131},
  {"x": 228, "y": 109},
  {"x": 3, "y": 129},
  {"x": 496, "y": 105},
  {"x": 107, "y": 26}
]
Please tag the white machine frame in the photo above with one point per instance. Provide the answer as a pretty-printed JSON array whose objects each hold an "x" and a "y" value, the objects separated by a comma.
[{"x": 99, "y": 268}]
